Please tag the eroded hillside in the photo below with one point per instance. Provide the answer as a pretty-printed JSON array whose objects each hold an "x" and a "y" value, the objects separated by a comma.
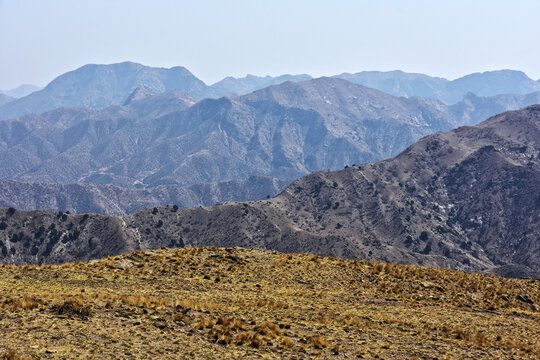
[{"x": 466, "y": 199}]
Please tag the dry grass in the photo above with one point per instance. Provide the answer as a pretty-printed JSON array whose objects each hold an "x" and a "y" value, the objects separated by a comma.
[
  {"x": 238, "y": 303},
  {"x": 72, "y": 307},
  {"x": 318, "y": 342}
]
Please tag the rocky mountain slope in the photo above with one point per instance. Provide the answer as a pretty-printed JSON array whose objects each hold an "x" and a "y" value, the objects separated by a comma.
[
  {"x": 283, "y": 131},
  {"x": 215, "y": 303},
  {"x": 113, "y": 200},
  {"x": 473, "y": 109},
  {"x": 489, "y": 83},
  {"x": 43, "y": 140},
  {"x": 466, "y": 199}
]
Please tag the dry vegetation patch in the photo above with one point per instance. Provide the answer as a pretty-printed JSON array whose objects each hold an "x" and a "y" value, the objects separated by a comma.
[{"x": 240, "y": 303}]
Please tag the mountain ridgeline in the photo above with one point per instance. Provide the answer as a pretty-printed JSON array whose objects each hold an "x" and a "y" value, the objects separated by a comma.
[
  {"x": 99, "y": 86},
  {"x": 20, "y": 91},
  {"x": 283, "y": 131},
  {"x": 489, "y": 83},
  {"x": 95, "y": 86},
  {"x": 460, "y": 199}
]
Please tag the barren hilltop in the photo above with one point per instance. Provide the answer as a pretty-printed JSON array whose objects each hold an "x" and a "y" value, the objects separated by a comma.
[{"x": 203, "y": 303}]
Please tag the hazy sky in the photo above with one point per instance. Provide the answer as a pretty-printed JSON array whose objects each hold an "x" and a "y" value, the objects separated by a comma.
[{"x": 40, "y": 40}]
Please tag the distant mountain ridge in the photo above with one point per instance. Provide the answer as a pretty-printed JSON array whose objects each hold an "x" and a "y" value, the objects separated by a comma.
[
  {"x": 140, "y": 93},
  {"x": 489, "y": 83},
  {"x": 474, "y": 109},
  {"x": 98, "y": 86},
  {"x": 283, "y": 131},
  {"x": 240, "y": 86},
  {"x": 20, "y": 91},
  {"x": 465, "y": 199}
]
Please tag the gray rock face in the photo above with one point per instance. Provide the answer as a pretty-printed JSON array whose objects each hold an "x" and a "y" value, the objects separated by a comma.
[
  {"x": 489, "y": 83},
  {"x": 466, "y": 199},
  {"x": 140, "y": 93}
]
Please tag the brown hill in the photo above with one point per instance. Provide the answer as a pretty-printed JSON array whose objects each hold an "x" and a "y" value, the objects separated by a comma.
[
  {"x": 467, "y": 199},
  {"x": 210, "y": 303}
]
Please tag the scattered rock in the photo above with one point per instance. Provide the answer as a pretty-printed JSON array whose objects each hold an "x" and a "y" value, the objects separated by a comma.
[
  {"x": 525, "y": 298},
  {"x": 160, "y": 324},
  {"x": 124, "y": 264}
]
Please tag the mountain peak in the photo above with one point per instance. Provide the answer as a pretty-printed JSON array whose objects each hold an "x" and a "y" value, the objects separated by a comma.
[
  {"x": 20, "y": 91},
  {"x": 250, "y": 83},
  {"x": 318, "y": 93},
  {"x": 97, "y": 86}
]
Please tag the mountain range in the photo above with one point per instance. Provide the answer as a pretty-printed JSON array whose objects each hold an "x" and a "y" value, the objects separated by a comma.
[
  {"x": 126, "y": 140},
  {"x": 231, "y": 86},
  {"x": 95, "y": 86},
  {"x": 489, "y": 83},
  {"x": 283, "y": 131},
  {"x": 100, "y": 86},
  {"x": 460, "y": 199}
]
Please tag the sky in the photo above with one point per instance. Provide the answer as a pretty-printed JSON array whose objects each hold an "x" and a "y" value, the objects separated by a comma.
[{"x": 40, "y": 40}]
